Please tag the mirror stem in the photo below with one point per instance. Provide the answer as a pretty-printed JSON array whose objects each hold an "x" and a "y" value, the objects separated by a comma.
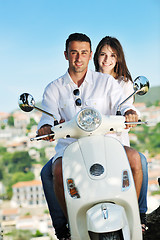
[
  {"x": 119, "y": 106},
  {"x": 45, "y": 112}
]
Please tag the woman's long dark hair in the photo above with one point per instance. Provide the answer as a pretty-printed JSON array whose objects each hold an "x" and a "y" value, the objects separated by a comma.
[{"x": 120, "y": 68}]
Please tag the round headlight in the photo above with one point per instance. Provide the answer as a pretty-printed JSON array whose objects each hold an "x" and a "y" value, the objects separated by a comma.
[{"x": 88, "y": 119}]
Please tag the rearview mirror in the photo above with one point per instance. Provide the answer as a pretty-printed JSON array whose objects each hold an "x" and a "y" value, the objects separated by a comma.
[
  {"x": 26, "y": 102},
  {"x": 141, "y": 85}
]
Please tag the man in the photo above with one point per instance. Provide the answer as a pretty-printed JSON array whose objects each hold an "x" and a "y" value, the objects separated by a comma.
[{"x": 79, "y": 88}]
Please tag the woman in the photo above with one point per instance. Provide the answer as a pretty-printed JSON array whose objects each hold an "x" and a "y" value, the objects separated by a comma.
[{"x": 108, "y": 58}]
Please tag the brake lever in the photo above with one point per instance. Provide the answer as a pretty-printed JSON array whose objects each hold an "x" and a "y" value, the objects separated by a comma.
[
  {"x": 43, "y": 136},
  {"x": 136, "y": 123}
]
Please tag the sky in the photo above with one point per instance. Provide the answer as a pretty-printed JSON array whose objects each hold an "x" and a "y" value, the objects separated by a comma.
[{"x": 33, "y": 35}]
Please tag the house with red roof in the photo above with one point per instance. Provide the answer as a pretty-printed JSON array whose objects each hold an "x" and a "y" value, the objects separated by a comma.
[{"x": 28, "y": 194}]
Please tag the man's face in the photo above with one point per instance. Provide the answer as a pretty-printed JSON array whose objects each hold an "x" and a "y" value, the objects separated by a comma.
[{"x": 78, "y": 55}]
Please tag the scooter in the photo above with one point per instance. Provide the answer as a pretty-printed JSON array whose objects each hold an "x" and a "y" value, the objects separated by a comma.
[{"x": 98, "y": 183}]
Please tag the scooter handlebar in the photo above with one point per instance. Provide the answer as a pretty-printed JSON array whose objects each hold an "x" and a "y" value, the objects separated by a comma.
[{"x": 43, "y": 136}]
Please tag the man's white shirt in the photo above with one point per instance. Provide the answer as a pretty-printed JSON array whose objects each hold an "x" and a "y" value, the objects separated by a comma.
[{"x": 98, "y": 90}]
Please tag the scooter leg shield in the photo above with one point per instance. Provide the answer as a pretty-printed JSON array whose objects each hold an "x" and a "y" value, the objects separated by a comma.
[
  {"x": 94, "y": 169},
  {"x": 108, "y": 217}
]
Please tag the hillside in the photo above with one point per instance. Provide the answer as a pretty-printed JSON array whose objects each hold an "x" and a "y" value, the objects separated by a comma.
[{"x": 151, "y": 97}]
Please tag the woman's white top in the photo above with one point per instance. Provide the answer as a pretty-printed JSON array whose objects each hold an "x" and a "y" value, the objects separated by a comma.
[{"x": 128, "y": 90}]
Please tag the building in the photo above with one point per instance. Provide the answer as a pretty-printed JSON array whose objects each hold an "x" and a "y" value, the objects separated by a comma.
[{"x": 28, "y": 194}]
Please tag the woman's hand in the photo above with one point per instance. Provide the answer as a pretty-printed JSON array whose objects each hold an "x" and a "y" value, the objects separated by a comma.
[{"x": 131, "y": 116}]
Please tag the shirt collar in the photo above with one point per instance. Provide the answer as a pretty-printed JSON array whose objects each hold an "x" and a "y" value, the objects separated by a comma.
[{"x": 67, "y": 79}]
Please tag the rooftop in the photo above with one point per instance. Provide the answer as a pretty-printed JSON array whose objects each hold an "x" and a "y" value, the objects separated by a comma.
[{"x": 27, "y": 184}]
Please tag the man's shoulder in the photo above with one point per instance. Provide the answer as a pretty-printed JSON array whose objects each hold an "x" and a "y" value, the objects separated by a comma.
[
  {"x": 57, "y": 82},
  {"x": 101, "y": 76}
]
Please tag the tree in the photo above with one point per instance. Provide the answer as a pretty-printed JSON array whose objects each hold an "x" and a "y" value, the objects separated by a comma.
[
  {"x": 32, "y": 123},
  {"x": 38, "y": 234},
  {"x": 22, "y": 177},
  {"x": 3, "y": 126},
  {"x": 148, "y": 138},
  {"x": 6, "y": 158},
  {"x": 1, "y": 174},
  {"x": 20, "y": 162},
  {"x": 43, "y": 156},
  {"x": 11, "y": 121},
  {"x": 15, "y": 167},
  {"x": 3, "y": 149}
]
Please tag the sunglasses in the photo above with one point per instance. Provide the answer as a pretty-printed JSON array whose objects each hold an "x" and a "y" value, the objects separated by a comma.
[{"x": 78, "y": 101}]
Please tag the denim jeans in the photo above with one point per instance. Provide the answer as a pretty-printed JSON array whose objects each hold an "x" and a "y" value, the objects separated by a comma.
[
  {"x": 57, "y": 216},
  {"x": 142, "y": 201}
]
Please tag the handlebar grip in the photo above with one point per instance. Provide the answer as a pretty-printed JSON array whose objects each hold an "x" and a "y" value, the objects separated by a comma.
[
  {"x": 56, "y": 123},
  {"x": 118, "y": 113}
]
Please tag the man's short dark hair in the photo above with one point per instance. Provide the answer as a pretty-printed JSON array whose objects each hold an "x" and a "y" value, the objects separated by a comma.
[{"x": 77, "y": 37}]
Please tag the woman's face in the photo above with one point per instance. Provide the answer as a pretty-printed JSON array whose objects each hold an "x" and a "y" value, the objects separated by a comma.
[{"x": 107, "y": 60}]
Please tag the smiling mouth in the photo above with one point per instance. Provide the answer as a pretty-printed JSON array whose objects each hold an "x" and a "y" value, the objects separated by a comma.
[
  {"x": 107, "y": 65},
  {"x": 78, "y": 64}
]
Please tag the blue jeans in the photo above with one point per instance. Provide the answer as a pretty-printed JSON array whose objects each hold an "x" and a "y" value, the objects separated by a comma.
[
  {"x": 57, "y": 216},
  {"x": 142, "y": 201}
]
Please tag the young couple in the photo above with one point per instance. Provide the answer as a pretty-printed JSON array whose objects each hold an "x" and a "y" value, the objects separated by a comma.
[{"x": 107, "y": 90}]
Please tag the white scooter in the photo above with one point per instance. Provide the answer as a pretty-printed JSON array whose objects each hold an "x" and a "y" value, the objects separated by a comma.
[{"x": 98, "y": 183}]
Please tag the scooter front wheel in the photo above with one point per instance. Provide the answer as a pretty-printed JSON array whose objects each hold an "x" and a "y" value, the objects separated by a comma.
[{"x": 110, "y": 236}]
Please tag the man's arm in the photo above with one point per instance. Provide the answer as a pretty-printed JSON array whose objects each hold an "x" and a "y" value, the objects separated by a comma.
[{"x": 49, "y": 104}]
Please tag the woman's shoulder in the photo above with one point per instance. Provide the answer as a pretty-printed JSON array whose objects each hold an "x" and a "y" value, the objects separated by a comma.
[{"x": 125, "y": 82}]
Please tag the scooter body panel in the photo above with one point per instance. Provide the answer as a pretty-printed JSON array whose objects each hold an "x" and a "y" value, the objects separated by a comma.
[{"x": 80, "y": 158}]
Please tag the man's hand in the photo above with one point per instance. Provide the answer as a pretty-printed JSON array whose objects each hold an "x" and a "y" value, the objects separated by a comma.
[
  {"x": 131, "y": 116},
  {"x": 46, "y": 129}
]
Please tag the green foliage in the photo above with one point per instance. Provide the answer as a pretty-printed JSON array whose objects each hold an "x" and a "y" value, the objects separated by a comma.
[
  {"x": 20, "y": 162},
  {"x": 157, "y": 103},
  {"x": 148, "y": 138},
  {"x": 19, "y": 234},
  {"x": 28, "y": 214},
  {"x": 155, "y": 193},
  {"x": 42, "y": 156},
  {"x": 11, "y": 121},
  {"x": 14, "y": 178},
  {"x": 22, "y": 177},
  {"x": 3, "y": 150},
  {"x": 6, "y": 158},
  {"x": 149, "y": 104},
  {"x": 3, "y": 126},
  {"x": 46, "y": 211},
  {"x": 38, "y": 234},
  {"x": 151, "y": 97},
  {"x": 32, "y": 123},
  {"x": 23, "y": 234},
  {"x": 1, "y": 174},
  {"x": 15, "y": 167}
]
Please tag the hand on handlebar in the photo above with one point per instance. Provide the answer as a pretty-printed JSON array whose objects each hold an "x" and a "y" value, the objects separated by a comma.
[
  {"x": 62, "y": 121},
  {"x": 44, "y": 130},
  {"x": 131, "y": 116}
]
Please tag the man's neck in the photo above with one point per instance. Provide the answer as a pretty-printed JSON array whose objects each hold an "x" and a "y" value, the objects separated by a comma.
[{"x": 77, "y": 77}]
